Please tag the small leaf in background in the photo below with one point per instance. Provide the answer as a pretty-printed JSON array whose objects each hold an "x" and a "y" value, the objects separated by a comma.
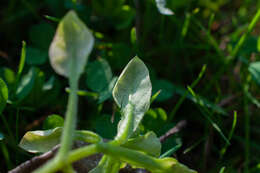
[
  {"x": 134, "y": 88},
  {"x": 1, "y": 136},
  {"x": 125, "y": 17},
  {"x": 99, "y": 75},
  {"x": 166, "y": 87},
  {"x": 133, "y": 37},
  {"x": 35, "y": 56},
  {"x": 53, "y": 121},
  {"x": 3, "y": 95},
  {"x": 40, "y": 141},
  {"x": 149, "y": 143},
  {"x": 7, "y": 75},
  {"x": 254, "y": 69},
  {"x": 39, "y": 38},
  {"x": 26, "y": 84},
  {"x": 107, "y": 93},
  {"x": 161, "y": 5},
  {"x": 157, "y": 115},
  {"x": 258, "y": 44},
  {"x": 71, "y": 46}
]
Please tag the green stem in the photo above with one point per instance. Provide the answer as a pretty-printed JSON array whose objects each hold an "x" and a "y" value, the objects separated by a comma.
[
  {"x": 69, "y": 127},
  {"x": 183, "y": 97},
  {"x": 131, "y": 156},
  {"x": 247, "y": 125},
  {"x": 70, "y": 121}
]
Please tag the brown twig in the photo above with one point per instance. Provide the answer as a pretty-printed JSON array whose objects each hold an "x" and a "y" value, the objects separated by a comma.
[{"x": 173, "y": 130}]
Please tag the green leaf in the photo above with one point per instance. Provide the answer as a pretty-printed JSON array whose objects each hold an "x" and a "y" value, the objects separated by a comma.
[
  {"x": 26, "y": 84},
  {"x": 104, "y": 127},
  {"x": 107, "y": 93},
  {"x": 71, "y": 46},
  {"x": 107, "y": 165},
  {"x": 3, "y": 95},
  {"x": 7, "y": 75},
  {"x": 87, "y": 136},
  {"x": 149, "y": 143},
  {"x": 161, "y": 5},
  {"x": 1, "y": 136},
  {"x": 133, "y": 89},
  {"x": 173, "y": 166},
  {"x": 99, "y": 75},
  {"x": 41, "y": 141},
  {"x": 53, "y": 121},
  {"x": 39, "y": 38},
  {"x": 35, "y": 56},
  {"x": 157, "y": 115},
  {"x": 254, "y": 69},
  {"x": 22, "y": 61}
]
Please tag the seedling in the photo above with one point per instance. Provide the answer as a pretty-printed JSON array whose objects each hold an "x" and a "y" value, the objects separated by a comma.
[{"x": 69, "y": 52}]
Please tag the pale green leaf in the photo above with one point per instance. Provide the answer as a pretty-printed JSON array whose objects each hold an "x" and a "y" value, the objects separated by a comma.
[
  {"x": 149, "y": 143},
  {"x": 41, "y": 141},
  {"x": 3, "y": 95},
  {"x": 71, "y": 46},
  {"x": 133, "y": 89}
]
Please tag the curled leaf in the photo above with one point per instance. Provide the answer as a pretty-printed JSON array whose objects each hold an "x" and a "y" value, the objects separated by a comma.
[
  {"x": 71, "y": 46},
  {"x": 40, "y": 140}
]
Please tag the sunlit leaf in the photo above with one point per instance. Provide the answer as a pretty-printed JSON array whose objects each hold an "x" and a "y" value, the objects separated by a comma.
[
  {"x": 149, "y": 143},
  {"x": 53, "y": 121},
  {"x": 133, "y": 91},
  {"x": 161, "y": 5},
  {"x": 3, "y": 95},
  {"x": 71, "y": 46}
]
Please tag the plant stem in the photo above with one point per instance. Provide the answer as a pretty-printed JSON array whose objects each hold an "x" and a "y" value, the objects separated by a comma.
[
  {"x": 70, "y": 121},
  {"x": 69, "y": 127},
  {"x": 247, "y": 125},
  {"x": 131, "y": 156}
]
